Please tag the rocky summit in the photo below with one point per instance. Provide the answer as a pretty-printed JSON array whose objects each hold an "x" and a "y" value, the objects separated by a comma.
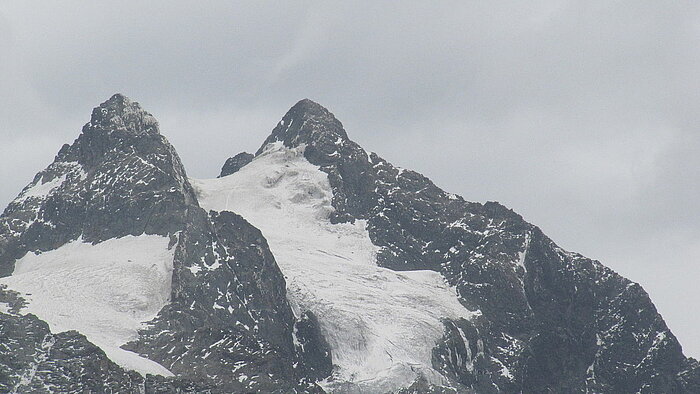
[{"x": 309, "y": 266}]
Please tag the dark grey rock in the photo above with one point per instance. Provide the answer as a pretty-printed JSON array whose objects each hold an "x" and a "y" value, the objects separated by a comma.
[
  {"x": 235, "y": 163},
  {"x": 312, "y": 350},
  {"x": 230, "y": 319}
]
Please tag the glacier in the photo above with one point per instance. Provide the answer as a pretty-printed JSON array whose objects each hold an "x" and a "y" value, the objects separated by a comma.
[{"x": 381, "y": 324}]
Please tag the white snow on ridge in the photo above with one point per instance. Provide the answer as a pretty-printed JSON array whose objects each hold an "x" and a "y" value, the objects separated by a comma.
[
  {"x": 381, "y": 324},
  {"x": 104, "y": 291},
  {"x": 41, "y": 190}
]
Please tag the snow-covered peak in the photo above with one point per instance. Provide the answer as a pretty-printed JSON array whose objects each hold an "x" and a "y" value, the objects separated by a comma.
[
  {"x": 101, "y": 186},
  {"x": 307, "y": 122}
]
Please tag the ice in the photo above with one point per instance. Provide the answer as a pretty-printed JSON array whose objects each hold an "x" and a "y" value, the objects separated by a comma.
[
  {"x": 381, "y": 324},
  {"x": 104, "y": 291}
]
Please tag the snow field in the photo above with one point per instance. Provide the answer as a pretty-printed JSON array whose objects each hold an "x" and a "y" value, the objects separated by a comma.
[{"x": 104, "y": 291}]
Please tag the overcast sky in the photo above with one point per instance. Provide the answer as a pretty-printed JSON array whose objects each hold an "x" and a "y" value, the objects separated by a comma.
[{"x": 581, "y": 116}]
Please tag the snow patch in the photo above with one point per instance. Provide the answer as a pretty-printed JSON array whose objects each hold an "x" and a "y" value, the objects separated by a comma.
[
  {"x": 41, "y": 190},
  {"x": 523, "y": 253},
  {"x": 381, "y": 324},
  {"x": 104, "y": 291},
  {"x": 194, "y": 269}
]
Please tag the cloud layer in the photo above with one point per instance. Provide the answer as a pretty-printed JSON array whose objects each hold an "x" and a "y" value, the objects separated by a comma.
[{"x": 582, "y": 116}]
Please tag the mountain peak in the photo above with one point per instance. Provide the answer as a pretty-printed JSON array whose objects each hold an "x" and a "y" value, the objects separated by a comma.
[
  {"x": 118, "y": 98},
  {"x": 307, "y": 122},
  {"x": 310, "y": 107},
  {"x": 120, "y": 113}
]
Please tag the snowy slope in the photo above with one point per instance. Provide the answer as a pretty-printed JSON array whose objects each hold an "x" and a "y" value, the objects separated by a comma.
[
  {"x": 104, "y": 291},
  {"x": 381, "y": 324}
]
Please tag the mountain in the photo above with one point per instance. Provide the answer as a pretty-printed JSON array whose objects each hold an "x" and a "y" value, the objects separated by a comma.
[
  {"x": 110, "y": 236},
  {"x": 308, "y": 266}
]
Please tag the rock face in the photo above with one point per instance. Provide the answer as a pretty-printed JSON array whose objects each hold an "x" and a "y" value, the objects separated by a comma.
[
  {"x": 548, "y": 320},
  {"x": 235, "y": 163}
]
